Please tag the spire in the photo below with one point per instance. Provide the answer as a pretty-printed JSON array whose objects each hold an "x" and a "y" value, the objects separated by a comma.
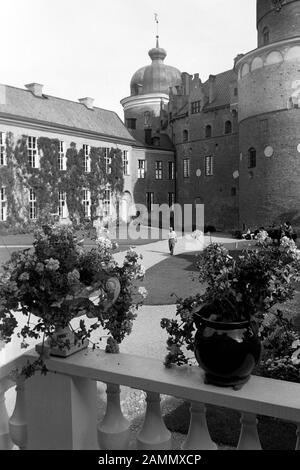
[
  {"x": 157, "y": 33},
  {"x": 157, "y": 53}
]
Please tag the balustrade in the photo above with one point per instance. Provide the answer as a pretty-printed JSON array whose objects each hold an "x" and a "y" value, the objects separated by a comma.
[{"x": 58, "y": 411}]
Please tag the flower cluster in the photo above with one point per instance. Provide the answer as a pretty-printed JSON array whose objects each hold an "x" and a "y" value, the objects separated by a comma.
[
  {"x": 281, "y": 349},
  {"x": 59, "y": 280},
  {"x": 240, "y": 286}
]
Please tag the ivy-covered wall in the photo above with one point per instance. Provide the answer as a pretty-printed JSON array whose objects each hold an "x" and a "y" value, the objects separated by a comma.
[{"x": 19, "y": 177}]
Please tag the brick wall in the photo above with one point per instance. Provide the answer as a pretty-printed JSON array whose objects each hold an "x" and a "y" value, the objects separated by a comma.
[
  {"x": 273, "y": 190},
  {"x": 282, "y": 24},
  {"x": 218, "y": 193}
]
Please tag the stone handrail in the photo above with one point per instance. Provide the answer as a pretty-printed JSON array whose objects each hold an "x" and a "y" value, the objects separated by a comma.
[{"x": 61, "y": 406}]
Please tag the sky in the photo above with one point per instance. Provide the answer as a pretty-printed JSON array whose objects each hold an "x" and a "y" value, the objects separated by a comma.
[{"x": 79, "y": 48}]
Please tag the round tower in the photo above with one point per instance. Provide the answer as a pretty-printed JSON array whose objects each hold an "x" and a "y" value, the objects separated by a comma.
[
  {"x": 269, "y": 118},
  {"x": 149, "y": 92}
]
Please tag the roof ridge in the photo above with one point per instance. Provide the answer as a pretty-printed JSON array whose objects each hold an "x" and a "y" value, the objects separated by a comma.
[{"x": 57, "y": 98}]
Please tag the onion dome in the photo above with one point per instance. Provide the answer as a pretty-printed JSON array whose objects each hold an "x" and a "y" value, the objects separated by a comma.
[{"x": 157, "y": 77}]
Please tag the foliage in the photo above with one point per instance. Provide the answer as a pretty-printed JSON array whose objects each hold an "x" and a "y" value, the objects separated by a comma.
[
  {"x": 281, "y": 349},
  {"x": 47, "y": 180},
  {"x": 241, "y": 289},
  {"x": 58, "y": 281}
]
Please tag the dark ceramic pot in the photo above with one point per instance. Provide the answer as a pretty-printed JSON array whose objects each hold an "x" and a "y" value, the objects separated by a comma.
[{"x": 228, "y": 352}]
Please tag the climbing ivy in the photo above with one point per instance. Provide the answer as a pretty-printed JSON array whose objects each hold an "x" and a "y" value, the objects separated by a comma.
[{"x": 47, "y": 180}]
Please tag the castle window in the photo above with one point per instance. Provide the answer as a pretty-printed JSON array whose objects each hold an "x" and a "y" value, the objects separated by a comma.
[
  {"x": 209, "y": 166},
  {"x": 171, "y": 170},
  {"x": 86, "y": 162},
  {"x": 3, "y": 204},
  {"x": 208, "y": 131},
  {"x": 141, "y": 169},
  {"x": 158, "y": 171},
  {"x": 186, "y": 168},
  {"x": 86, "y": 202},
  {"x": 251, "y": 158},
  {"x": 196, "y": 107},
  {"x": 107, "y": 161},
  {"x": 107, "y": 202},
  {"x": 32, "y": 152},
  {"x": 32, "y": 205},
  {"x": 62, "y": 204},
  {"x": 228, "y": 127},
  {"x": 62, "y": 161},
  {"x": 125, "y": 163},
  {"x": 266, "y": 36},
  {"x": 131, "y": 123},
  {"x": 171, "y": 198},
  {"x": 150, "y": 201},
  {"x": 185, "y": 136},
  {"x": 3, "y": 160},
  {"x": 147, "y": 119}
]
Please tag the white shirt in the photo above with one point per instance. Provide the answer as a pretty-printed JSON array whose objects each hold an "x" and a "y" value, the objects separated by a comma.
[{"x": 172, "y": 235}]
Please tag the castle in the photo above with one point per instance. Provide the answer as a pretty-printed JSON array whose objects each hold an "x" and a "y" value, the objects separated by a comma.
[
  {"x": 231, "y": 143},
  {"x": 236, "y": 137}
]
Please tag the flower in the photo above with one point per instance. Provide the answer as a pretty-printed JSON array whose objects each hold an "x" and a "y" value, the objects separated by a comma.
[
  {"x": 24, "y": 276},
  {"x": 52, "y": 264},
  {"x": 239, "y": 287},
  {"x": 143, "y": 292},
  {"x": 73, "y": 277},
  {"x": 59, "y": 280}
]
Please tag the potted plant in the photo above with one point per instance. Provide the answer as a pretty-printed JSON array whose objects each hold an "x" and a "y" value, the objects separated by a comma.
[
  {"x": 221, "y": 325},
  {"x": 58, "y": 281}
]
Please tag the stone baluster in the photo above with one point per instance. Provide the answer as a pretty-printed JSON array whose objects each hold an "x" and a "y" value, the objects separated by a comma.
[
  {"x": 113, "y": 431},
  {"x": 298, "y": 437},
  {"x": 154, "y": 434},
  {"x": 249, "y": 438},
  {"x": 5, "y": 440},
  {"x": 18, "y": 421},
  {"x": 61, "y": 412},
  {"x": 198, "y": 437}
]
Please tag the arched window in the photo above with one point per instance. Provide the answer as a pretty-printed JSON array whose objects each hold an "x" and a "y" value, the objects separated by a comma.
[
  {"x": 228, "y": 127},
  {"x": 266, "y": 36},
  {"x": 185, "y": 136},
  {"x": 251, "y": 158},
  {"x": 208, "y": 131},
  {"x": 147, "y": 119}
]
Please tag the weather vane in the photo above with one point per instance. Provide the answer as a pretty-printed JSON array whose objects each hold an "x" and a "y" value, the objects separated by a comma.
[{"x": 156, "y": 21}]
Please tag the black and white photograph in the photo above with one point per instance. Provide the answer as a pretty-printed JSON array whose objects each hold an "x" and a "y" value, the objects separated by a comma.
[{"x": 150, "y": 231}]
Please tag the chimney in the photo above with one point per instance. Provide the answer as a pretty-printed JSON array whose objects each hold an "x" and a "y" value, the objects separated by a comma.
[
  {"x": 35, "y": 88},
  {"x": 186, "y": 82},
  {"x": 212, "y": 88},
  {"x": 88, "y": 102}
]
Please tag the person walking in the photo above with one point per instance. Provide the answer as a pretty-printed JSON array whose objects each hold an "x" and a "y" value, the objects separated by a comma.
[{"x": 172, "y": 240}]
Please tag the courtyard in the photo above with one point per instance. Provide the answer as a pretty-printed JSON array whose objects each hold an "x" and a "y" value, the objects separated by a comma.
[{"x": 166, "y": 279}]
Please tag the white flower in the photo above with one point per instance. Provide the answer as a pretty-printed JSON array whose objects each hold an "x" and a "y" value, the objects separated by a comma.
[
  {"x": 142, "y": 270},
  {"x": 143, "y": 292},
  {"x": 104, "y": 243}
]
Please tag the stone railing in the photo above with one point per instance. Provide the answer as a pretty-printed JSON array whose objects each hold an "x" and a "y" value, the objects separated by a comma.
[{"x": 58, "y": 411}]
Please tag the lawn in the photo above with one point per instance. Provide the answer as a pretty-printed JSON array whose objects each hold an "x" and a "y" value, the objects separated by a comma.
[{"x": 176, "y": 276}]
